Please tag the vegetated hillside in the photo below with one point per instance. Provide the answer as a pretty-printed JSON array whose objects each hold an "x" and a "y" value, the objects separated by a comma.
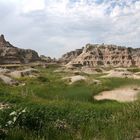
[
  {"x": 13, "y": 55},
  {"x": 48, "y": 107},
  {"x": 103, "y": 55}
]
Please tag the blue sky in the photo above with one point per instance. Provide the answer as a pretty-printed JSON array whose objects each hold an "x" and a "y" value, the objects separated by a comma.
[{"x": 53, "y": 27}]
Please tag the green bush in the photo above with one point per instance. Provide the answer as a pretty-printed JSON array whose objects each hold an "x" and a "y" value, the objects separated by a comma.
[{"x": 43, "y": 79}]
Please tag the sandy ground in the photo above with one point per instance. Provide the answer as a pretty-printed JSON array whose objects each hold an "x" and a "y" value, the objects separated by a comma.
[
  {"x": 77, "y": 78},
  {"x": 125, "y": 94},
  {"x": 30, "y": 72},
  {"x": 74, "y": 79},
  {"x": 8, "y": 76},
  {"x": 7, "y": 80},
  {"x": 121, "y": 74}
]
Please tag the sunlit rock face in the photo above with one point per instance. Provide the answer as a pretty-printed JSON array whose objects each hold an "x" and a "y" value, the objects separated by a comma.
[
  {"x": 93, "y": 55},
  {"x": 71, "y": 55},
  {"x": 13, "y": 55}
]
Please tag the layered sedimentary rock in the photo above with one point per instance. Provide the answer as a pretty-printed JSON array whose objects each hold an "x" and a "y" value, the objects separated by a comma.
[
  {"x": 13, "y": 55},
  {"x": 71, "y": 55},
  {"x": 47, "y": 59},
  {"x": 93, "y": 55}
]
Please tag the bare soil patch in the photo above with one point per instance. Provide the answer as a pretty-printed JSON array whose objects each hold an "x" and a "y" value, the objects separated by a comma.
[
  {"x": 123, "y": 94},
  {"x": 74, "y": 79}
]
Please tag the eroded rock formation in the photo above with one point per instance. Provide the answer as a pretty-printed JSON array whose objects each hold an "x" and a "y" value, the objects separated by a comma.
[
  {"x": 71, "y": 55},
  {"x": 13, "y": 55},
  {"x": 93, "y": 55}
]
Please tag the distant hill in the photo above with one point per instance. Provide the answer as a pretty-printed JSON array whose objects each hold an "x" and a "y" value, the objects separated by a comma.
[
  {"x": 102, "y": 55},
  {"x": 13, "y": 55}
]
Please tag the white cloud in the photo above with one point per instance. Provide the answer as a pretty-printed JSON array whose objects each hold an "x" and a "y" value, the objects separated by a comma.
[
  {"x": 53, "y": 27},
  {"x": 32, "y": 5}
]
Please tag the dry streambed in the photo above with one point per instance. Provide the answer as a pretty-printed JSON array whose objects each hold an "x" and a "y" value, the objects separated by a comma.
[{"x": 123, "y": 94}]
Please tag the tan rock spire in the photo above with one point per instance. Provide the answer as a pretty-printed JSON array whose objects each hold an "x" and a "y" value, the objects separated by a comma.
[{"x": 2, "y": 41}]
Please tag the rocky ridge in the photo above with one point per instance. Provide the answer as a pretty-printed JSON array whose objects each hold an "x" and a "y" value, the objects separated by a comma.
[
  {"x": 93, "y": 55},
  {"x": 13, "y": 55}
]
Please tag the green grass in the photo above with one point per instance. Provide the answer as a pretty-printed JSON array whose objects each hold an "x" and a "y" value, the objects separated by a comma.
[
  {"x": 134, "y": 69},
  {"x": 56, "y": 110}
]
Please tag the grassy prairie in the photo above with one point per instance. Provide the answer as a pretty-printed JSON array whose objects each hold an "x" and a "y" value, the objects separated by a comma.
[{"x": 55, "y": 110}]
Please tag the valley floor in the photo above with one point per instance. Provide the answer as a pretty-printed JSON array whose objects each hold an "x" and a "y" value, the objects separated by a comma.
[{"x": 52, "y": 107}]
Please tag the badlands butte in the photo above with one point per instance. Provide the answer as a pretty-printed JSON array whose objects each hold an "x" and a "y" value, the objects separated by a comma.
[
  {"x": 91, "y": 55},
  {"x": 13, "y": 55}
]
